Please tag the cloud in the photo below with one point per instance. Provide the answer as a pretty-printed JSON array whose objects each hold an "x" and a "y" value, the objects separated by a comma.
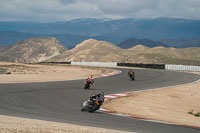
[{"x": 60, "y": 10}]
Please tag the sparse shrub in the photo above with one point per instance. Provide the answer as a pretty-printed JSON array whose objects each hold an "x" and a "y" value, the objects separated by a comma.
[
  {"x": 197, "y": 114},
  {"x": 190, "y": 112}
]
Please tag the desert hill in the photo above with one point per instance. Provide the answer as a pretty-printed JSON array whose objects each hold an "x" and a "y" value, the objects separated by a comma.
[
  {"x": 170, "y": 52},
  {"x": 138, "y": 48},
  {"x": 134, "y": 42},
  {"x": 32, "y": 50},
  {"x": 169, "y": 55},
  {"x": 91, "y": 50},
  {"x": 101, "y": 51}
]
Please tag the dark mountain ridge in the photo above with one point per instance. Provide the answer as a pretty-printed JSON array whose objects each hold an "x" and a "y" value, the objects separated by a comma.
[
  {"x": 72, "y": 32},
  {"x": 12, "y": 37},
  {"x": 146, "y": 42},
  {"x": 49, "y": 49}
]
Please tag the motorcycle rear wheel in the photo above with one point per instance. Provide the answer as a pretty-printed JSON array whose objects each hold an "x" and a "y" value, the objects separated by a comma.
[{"x": 87, "y": 86}]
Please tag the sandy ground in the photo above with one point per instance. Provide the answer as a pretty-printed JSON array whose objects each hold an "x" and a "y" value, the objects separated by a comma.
[
  {"x": 168, "y": 105},
  {"x": 22, "y": 125},
  {"x": 24, "y": 73}
]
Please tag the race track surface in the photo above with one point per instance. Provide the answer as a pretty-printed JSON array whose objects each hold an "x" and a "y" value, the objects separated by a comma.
[{"x": 61, "y": 101}]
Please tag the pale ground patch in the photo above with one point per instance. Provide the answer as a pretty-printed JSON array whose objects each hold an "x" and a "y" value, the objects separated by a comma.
[
  {"x": 169, "y": 104},
  {"x": 25, "y": 73},
  {"x": 22, "y": 125}
]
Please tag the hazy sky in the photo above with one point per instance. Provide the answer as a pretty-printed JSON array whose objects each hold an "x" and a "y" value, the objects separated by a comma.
[{"x": 61, "y": 10}]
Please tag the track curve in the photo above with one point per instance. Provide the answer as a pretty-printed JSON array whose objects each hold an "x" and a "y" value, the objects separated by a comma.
[{"x": 61, "y": 101}]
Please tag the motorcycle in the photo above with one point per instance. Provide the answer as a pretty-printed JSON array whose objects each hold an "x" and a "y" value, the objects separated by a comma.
[
  {"x": 92, "y": 105},
  {"x": 131, "y": 75},
  {"x": 88, "y": 84}
]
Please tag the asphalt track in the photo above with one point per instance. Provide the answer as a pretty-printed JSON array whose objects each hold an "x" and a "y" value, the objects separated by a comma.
[{"x": 61, "y": 101}]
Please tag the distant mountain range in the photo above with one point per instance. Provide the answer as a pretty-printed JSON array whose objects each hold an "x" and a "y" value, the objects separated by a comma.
[
  {"x": 182, "y": 43},
  {"x": 102, "y": 51},
  {"x": 173, "y": 32},
  {"x": 133, "y": 42},
  {"x": 12, "y": 37},
  {"x": 49, "y": 49}
]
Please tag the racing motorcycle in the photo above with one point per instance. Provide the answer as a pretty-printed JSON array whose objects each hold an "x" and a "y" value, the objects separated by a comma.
[
  {"x": 88, "y": 84},
  {"x": 92, "y": 105},
  {"x": 131, "y": 75}
]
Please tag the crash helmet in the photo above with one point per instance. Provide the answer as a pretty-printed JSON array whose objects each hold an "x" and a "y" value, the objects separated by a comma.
[
  {"x": 102, "y": 93},
  {"x": 91, "y": 77}
]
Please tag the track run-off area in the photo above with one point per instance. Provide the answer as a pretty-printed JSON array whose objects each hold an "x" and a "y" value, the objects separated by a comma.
[{"x": 61, "y": 101}]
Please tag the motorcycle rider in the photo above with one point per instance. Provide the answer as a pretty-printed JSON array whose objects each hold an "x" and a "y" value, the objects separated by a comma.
[
  {"x": 131, "y": 72},
  {"x": 90, "y": 79},
  {"x": 94, "y": 102},
  {"x": 99, "y": 96}
]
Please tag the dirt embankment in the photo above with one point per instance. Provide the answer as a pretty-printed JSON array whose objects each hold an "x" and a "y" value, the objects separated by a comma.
[{"x": 177, "y": 105}]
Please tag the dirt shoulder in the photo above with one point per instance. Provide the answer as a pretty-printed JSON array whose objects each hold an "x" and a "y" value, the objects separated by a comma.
[
  {"x": 26, "y": 73},
  {"x": 173, "y": 105}
]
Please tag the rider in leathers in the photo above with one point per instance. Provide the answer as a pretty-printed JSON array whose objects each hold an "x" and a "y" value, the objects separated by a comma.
[
  {"x": 131, "y": 72},
  {"x": 90, "y": 80},
  {"x": 99, "y": 96}
]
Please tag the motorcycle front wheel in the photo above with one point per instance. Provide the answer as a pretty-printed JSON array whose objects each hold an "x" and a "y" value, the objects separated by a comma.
[{"x": 94, "y": 108}]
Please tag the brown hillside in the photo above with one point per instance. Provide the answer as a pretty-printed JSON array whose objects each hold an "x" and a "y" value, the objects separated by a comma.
[
  {"x": 101, "y": 51},
  {"x": 138, "y": 48},
  {"x": 32, "y": 50},
  {"x": 49, "y": 49},
  {"x": 93, "y": 50}
]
